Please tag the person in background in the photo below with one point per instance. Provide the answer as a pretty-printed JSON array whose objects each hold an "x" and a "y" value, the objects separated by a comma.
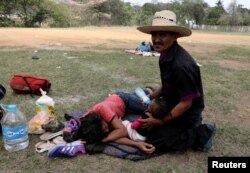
[
  {"x": 181, "y": 87},
  {"x": 142, "y": 47}
]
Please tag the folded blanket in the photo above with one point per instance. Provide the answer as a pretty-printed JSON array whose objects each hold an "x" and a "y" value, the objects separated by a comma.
[
  {"x": 136, "y": 52},
  {"x": 125, "y": 152},
  {"x": 117, "y": 150}
]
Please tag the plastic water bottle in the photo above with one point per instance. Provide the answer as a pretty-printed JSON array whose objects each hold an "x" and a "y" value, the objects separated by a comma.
[
  {"x": 15, "y": 130},
  {"x": 140, "y": 93}
]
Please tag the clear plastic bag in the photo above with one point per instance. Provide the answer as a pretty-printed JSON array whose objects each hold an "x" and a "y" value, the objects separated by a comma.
[
  {"x": 45, "y": 103},
  {"x": 35, "y": 124}
]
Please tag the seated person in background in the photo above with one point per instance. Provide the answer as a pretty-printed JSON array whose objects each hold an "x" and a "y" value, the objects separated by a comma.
[
  {"x": 150, "y": 47},
  {"x": 143, "y": 47}
]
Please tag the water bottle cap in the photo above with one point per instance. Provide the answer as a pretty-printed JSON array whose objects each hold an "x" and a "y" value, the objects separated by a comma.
[
  {"x": 12, "y": 108},
  {"x": 147, "y": 102}
]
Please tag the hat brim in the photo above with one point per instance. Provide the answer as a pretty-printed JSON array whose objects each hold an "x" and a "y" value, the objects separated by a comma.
[{"x": 181, "y": 30}]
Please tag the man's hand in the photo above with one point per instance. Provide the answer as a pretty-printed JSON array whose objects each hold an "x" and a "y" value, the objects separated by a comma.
[
  {"x": 150, "y": 121},
  {"x": 145, "y": 147}
]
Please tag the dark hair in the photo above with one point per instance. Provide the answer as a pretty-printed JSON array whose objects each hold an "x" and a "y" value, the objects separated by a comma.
[
  {"x": 159, "y": 110},
  {"x": 90, "y": 129}
]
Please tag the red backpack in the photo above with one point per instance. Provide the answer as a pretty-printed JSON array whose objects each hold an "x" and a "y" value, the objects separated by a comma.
[{"x": 29, "y": 84}]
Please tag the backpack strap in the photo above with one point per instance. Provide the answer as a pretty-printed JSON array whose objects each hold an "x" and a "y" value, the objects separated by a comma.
[
  {"x": 2, "y": 91},
  {"x": 31, "y": 90}
]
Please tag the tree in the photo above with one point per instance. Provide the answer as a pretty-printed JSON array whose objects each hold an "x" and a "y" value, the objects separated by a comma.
[
  {"x": 194, "y": 11},
  {"x": 121, "y": 13},
  {"x": 245, "y": 13},
  {"x": 58, "y": 15},
  {"x": 129, "y": 14},
  {"x": 30, "y": 13},
  {"x": 41, "y": 15},
  {"x": 198, "y": 13},
  {"x": 233, "y": 13},
  {"x": 215, "y": 14},
  {"x": 233, "y": 17},
  {"x": 145, "y": 14},
  {"x": 7, "y": 12},
  {"x": 26, "y": 10}
]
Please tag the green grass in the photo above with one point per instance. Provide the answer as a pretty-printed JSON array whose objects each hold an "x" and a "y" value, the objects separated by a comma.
[
  {"x": 235, "y": 53},
  {"x": 83, "y": 78}
]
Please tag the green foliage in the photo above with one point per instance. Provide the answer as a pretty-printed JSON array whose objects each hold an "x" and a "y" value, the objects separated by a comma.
[
  {"x": 194, "y": 13},
  {"x": 214, "y": 14},
  {"x": 59, "y": 14},
  {"x": 31, "y": 13},
  {"x": 145, "y": 15},
  {"x": 245, "y": 14},
  {"x": 146, "y": 12},
  {"x": 129, "y": 13},
  {"x": 120, "y": 15},
  {"x": 198, "y": 13},
  {"x": 6, "y": 10}
]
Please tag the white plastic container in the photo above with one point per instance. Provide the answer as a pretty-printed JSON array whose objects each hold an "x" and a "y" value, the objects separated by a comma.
[{"x": 15, "y": 129}]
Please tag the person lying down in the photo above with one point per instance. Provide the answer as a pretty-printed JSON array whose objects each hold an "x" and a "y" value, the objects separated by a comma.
[{"x": 102, "y": 122}]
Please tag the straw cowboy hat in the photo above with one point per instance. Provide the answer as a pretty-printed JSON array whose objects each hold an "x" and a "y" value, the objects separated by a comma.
[{"x": 165, "y": 21}]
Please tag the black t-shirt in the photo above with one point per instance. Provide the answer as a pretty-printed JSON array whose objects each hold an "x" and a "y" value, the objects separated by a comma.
[{"x": 181, "y": 80}]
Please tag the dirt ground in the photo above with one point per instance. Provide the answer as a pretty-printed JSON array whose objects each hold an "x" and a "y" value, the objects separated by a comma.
[
  {"x": 108, "y": 36},
  {"x": 121, "y": 37}
]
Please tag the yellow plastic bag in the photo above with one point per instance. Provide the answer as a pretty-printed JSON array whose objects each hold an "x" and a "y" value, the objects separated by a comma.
[
  {"x": 45, "y": 103},
  {"x": 35, "y": 124}
]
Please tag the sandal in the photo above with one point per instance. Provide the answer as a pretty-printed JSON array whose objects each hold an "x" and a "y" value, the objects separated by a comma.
[
  {"x": 48, "y": 135},
  {"x": 44, "y": 146},
  {"x": 58, "y": 140}
]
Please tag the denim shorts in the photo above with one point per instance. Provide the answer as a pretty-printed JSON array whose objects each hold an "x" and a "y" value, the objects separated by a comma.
[{"x": 132, "y": 102}]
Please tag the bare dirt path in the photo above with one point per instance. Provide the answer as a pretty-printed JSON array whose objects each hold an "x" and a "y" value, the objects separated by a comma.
[
  {"x": 120, "y": 37},
  {"x": 74, "y": 38}
]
